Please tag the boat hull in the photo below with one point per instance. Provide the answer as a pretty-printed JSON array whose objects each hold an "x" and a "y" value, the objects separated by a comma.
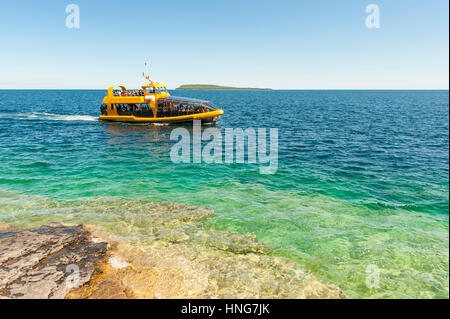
[{"x": 207, "y": 117}]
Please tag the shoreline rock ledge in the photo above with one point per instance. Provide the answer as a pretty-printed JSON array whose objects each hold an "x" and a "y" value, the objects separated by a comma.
[
  {"x": 56, "y": 261},
  {"x": 47, "y": 261}
]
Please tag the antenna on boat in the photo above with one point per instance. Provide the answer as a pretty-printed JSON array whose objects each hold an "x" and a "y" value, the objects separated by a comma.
[{"x": 147, "y": 77}]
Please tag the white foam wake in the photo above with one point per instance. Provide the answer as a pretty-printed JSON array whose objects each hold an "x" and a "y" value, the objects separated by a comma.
[{"x": 48, "y": 116}]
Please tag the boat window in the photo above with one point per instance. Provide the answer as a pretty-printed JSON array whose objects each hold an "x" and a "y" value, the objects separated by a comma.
[
  {"x": 150, "y": 90},
  {"x": 144, "y": 110},
  {"x": 178, "y": 106}
]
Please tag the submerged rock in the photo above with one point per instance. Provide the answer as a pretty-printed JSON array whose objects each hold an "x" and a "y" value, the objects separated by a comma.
[
  {"x": 166, "y": 269},
  {"x": 147, "y": 250},
  {"x": 47, "y": 261}
]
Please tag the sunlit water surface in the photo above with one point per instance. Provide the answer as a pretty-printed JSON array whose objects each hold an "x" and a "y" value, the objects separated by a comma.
[{"x": 362, "y": 182}]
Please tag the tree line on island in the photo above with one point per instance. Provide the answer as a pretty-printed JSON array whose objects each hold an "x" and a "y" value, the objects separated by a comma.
[{"x": 213, "y": 87}]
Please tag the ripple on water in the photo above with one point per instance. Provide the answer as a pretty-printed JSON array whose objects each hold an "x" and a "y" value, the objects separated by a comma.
[
  {"x": 362, "y": 178},
  {"x": 172, "y": 254},
  {"x": 335, "y": 240}
]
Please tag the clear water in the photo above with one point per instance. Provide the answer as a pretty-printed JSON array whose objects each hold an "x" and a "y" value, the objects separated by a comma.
[{"x": 363, "y": 178}]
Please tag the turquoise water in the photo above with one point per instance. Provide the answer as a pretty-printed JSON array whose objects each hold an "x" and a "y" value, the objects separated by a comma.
[{"x": 362, "y": 180}]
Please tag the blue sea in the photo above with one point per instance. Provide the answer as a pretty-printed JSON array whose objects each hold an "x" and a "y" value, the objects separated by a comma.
[{"x": 362, "y": 181}]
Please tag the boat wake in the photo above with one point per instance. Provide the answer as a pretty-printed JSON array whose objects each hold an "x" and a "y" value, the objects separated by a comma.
[{"x": 48, "y": 116}]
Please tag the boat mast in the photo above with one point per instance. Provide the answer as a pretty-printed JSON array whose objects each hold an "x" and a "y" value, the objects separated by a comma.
[{"x": 147, "y": 77}]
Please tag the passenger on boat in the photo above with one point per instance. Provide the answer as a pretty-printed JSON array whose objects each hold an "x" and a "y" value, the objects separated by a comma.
[{"x": 103, "y": 109}]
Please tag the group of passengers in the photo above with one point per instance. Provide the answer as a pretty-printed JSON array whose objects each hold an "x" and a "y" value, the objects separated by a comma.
[
  {"x": 138, "y": 92},
  {"x": 164, "y": 110},
  {"x": 134, "y": 109},
  {"x": 178, "y": 110}
]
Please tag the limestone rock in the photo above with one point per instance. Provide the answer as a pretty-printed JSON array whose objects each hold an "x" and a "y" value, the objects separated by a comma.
[{"x": 47, "y": 261}]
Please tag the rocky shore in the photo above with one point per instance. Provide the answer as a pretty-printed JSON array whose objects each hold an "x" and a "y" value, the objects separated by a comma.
[
  {"x": 76, "y": 261},
  {"x": 47, "y": 261}
]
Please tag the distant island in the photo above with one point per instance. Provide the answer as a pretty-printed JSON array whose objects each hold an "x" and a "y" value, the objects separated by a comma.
[{"x": 213, "y": 87}]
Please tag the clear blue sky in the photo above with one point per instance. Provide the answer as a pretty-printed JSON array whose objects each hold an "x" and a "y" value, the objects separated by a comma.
[{"x": 285, "y": 44}]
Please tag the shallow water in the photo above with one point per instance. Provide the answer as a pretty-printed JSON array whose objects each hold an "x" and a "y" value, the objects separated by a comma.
[{"x": 362, "y": 178}]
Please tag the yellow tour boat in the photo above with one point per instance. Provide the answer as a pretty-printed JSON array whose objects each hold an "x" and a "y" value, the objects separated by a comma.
[{"x": 153, "y": 104}]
